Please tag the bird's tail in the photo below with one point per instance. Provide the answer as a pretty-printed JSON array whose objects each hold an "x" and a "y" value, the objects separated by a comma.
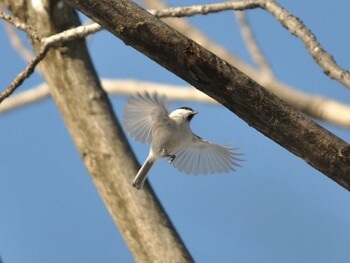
[{"x": 140, "y": 178}]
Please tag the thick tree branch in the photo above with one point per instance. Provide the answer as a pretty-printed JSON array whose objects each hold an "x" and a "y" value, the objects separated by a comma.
[
  {"x": 215, "y": 77},
  {"x": 315, "y": 106},
  {"x": 98, "y": 136}
]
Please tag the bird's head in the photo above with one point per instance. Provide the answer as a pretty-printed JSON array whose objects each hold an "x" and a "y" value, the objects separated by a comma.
[{"x": 183, "y": 114}]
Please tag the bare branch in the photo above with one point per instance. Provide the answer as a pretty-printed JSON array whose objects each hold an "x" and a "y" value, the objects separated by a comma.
[
  {"x": 72, "y": 34},
  {"x": 252, "y": 45},
  {"x": 204, "y": 9},
  {"x": 292, "y": 23},
  {"x": 46, "y": 43},
  {"x": 20, "y": 25},
  {"x": 113, "y": 87},
  {"x": 297, "y": 28},
  {"x": 24, "y": 74},
  {"x": 317, "y": 106},
  {"x": 17, "y": 43},
  {"x": 26, "y": 97}
]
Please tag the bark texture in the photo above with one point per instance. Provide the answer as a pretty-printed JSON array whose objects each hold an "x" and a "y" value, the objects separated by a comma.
[
  {"x": 99, "y": 138},
  {"x": 223, "y": 82}
]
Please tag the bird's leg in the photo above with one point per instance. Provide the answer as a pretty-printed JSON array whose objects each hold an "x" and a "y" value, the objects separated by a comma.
[
  {"x": 163, "y": 153},
  {"x": 171, "y": 157}
]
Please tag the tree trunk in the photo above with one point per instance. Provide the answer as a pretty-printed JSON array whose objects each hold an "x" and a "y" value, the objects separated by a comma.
[{"x": 99, "y": 138}]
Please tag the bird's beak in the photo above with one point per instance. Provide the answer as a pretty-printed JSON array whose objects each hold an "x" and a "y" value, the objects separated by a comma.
[{"x": 194, "y": 112}]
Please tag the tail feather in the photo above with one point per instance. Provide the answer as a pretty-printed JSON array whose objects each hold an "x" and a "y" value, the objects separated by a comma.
[{"x": 140, "y": 178}]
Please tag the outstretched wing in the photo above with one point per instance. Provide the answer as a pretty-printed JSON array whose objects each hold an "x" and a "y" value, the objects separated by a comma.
[
  {"x": 203, "y": 157},
  {"x": 140, "y": 114}
]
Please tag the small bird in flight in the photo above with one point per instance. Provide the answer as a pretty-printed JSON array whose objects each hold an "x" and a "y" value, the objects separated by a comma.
[{"x": 147, "y": 120}]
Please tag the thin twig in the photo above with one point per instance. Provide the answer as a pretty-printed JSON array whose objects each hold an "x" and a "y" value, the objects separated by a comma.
[
  {"x": 252, "y": 45},
  {"x": 16, "y": 42},
  {"x": 24, "y": 74},
  {"x": 297, "y": 28},
  {"x": 204, "y": 9},
  {"x": 68, "y": 35},
  {"x": 20, "y": 25},
  {"x": 72, "y": 34}
]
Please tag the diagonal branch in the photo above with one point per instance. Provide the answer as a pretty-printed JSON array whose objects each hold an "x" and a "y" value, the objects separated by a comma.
[
  {"x": 20, "y": 25},
  {"x": 221, "y": 81},
  {"x": 313, "y": 105},
  {"x": 46, "y": 44},
  {"x": 252, "y": 45},
  {"x": 25, "y": 73},
  {"x": 17, "y": 43},
  {"x": 319, "y": 54}
]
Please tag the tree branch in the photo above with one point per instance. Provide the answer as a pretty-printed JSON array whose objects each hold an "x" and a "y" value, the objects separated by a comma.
[
  {"x": 24, "y": 74},
  {"x": 290, "y": 22},
  {"x": 326, "y": 109},
  {"x": 99, "y": 138},
  {"x": 298, "y": 29},
  {"x": 113, "y": 87},
  {"x": 221, "y": 81},
  {"x": 252, "y": 45},
  {"x": 20, "y": 25},
  {"x": 46, "y": 44},
  {"x": 17, "y": 43}
]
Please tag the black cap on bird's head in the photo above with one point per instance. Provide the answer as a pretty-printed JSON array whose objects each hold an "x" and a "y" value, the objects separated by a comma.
[
  {"x": 184, "y": 113},
  {"x": 187, "y": 108},
  {"x": 191, "y": 111}
]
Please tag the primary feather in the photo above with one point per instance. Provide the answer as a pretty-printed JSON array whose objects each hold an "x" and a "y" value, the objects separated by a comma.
[
  {"x": 203, "y": 157},
  {"x": 141, "y": 113}
]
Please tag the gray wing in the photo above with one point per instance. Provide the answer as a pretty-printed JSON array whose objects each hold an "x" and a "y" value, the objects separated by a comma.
[
  {"x": 203, "y": 157},
  {"x": 140, "y": 114}
]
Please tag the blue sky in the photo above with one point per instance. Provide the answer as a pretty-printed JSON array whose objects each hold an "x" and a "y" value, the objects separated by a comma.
[{"x": 276, "y": 208}]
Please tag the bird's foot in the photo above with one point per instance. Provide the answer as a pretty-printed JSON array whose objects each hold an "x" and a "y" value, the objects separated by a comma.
[
  {"x": 163, "y": 154},
  {"x": 171, "y": 158}
]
